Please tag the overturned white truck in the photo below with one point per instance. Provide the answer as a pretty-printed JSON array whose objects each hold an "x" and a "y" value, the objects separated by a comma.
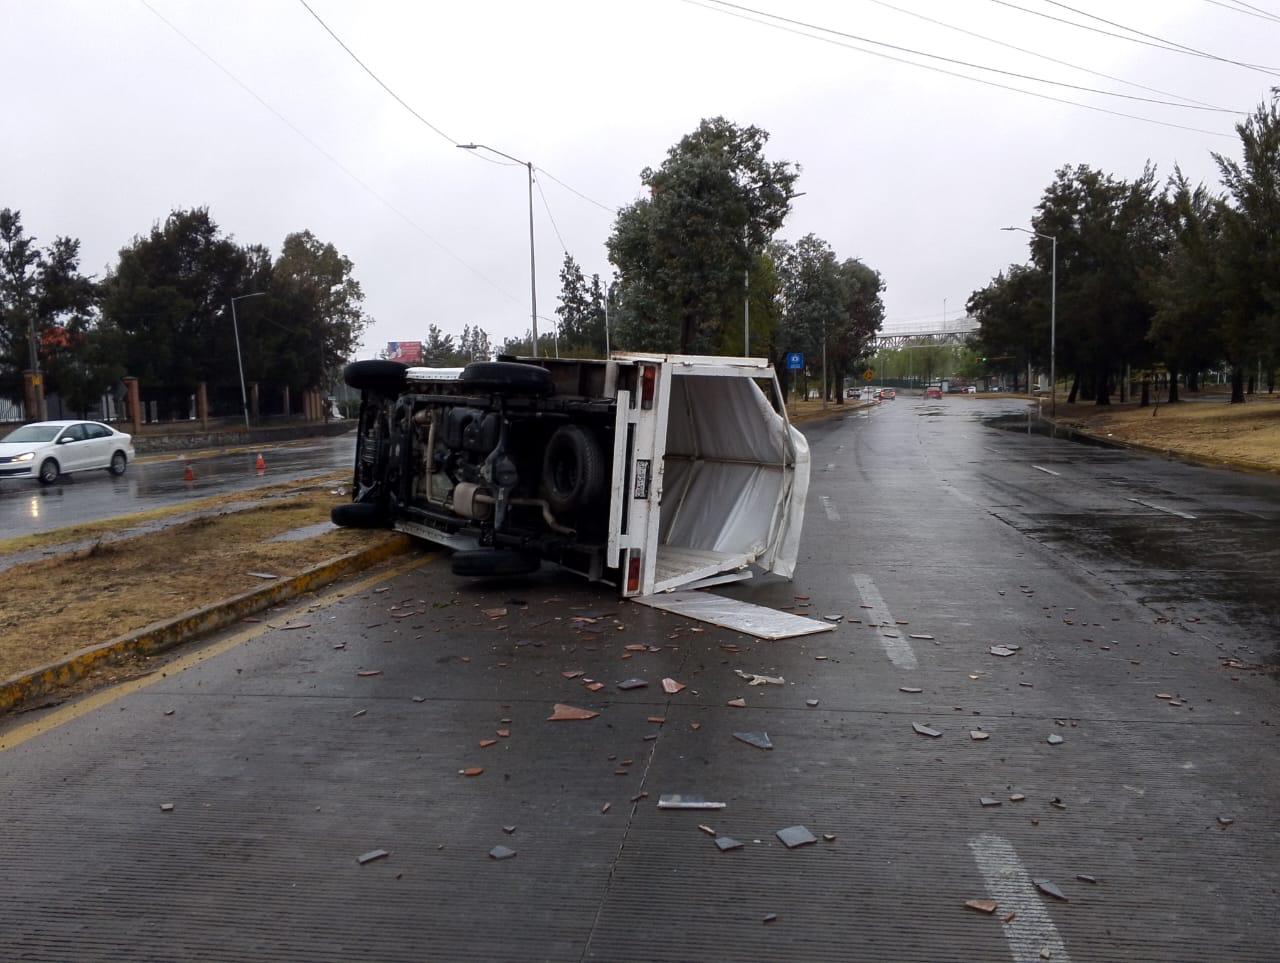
[{"x": 651, "y": 472}]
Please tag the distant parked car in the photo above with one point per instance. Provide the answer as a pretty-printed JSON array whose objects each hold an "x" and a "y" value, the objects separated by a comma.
[
  {"x": 888, "y": 394},
  {"x": 933, "y": 391},
  {"x": 971, "y": 390},
  {"x": 47, "y": 449}
]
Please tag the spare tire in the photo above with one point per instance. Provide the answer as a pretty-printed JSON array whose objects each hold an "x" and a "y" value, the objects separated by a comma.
[
  {"x": 573, "y": 469},
  {"x": 490, "y": 562},
  {"x": 384, "y": 377},
  {"x": 359, "y": 515},
  {"x": 508, "y": 377}
]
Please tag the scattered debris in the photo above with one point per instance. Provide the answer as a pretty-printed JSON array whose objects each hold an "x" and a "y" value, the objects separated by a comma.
[
  {"x": 770, "y": 917},
  {"x": 910, "y": 689},
  {"x": 595, "y": 686},
  {"x": 707, "y": 829},
  {"x": 921, "y": 636},
  {"x": 471, "y": 771},
  {"x": 758, "y": 739},
  {"x": 656, "y": 720},
  {"x": 494, "y": 613},
  {"x": 1049, "y": 888},
  {"x": 1225, "y": 820},
  {"x": 290, "y": 628},
  {"x": 169, "y": 712},
  {"x": 677, "y": 800},
  {"x": 370, "y": 856},
  {"x": 638, "y": 796},
  {"x": 671, "y": 686},
  {"x": 988, "y": 801},
  {"x": 1003, "y": 650},
  {"x": 1055, "y": 739},
  {"x": 925, "y": 730},
  {"x": 738, "y": 703},
  {"x": 502, "y": 733},
  {"x": 627, "y": 684},
  {"x": 794, "y": 836},
  {"x": 1017, "y": 797},
  {"x": 1086, "y": 878},
  {"x": 811, "y": 702},
  {"x": 977, "y": 735},
  {"x": 982, "y": 905},
  {"x": 606, "y": 807},
  {"x": 829, "y": 837},
  {"x": 834, "y": 618},
  {"x": 1008, "y": 917},
  {"x": 263, "y": 575},
  {"x": 508, "y": 829},
  {"x": 565, "y": 713},
  {"x": 501, "y": 852},
  {"x": 369, "y": 673},
  {"x": 358, "y": 713},
  {"x": 754, "y": 679},
  {"x": 166, "y": 807},
  {"x": 726, "y": 843},
  {"x": 571, "y": 673},
  {"x": 486, "y": 743}
]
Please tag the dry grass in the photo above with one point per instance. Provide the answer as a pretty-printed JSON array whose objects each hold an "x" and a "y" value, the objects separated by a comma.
[
  {"x": 89, "y": 530},
  {"x": 1245, "y": 435},
  {"x": 52, "y": 608},
  {"x": 801, "y": 411}
]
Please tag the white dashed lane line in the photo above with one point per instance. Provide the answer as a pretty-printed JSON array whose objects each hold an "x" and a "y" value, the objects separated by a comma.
[
  {"x": 895, "y": 646},
  {"x": 1031, "y": 934}
]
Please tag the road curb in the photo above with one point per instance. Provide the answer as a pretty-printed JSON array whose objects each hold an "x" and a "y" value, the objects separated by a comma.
[
  {"x": 1191, "y": 459},
  {"x": 168, "y": 633}
]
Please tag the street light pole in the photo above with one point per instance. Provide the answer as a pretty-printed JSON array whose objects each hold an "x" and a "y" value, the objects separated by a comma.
[
  {"x": 1053, "y": 317},
  {"x": 235, "y": 327},
  {"x": 533, "y": 279}
]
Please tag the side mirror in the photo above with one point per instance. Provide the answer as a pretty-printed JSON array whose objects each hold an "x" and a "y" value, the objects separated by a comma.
[{"x": 65, "y": 440}]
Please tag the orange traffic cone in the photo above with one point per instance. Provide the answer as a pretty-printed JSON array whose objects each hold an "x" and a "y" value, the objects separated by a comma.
[
  {"x": 261, "y": 464},
  {"x": 188, "y": 475}
]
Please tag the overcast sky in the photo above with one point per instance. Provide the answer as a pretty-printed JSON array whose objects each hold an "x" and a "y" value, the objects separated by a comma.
[{"x": 111, "y": 119}]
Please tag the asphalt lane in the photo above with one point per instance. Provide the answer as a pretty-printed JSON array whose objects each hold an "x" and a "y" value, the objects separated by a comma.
[
  {"x": 285, "y": 757},
  {"x": 27, "y": 507}
]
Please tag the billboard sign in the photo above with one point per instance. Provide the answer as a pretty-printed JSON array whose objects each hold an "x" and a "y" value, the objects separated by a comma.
[{"x": 407, "y": 352}]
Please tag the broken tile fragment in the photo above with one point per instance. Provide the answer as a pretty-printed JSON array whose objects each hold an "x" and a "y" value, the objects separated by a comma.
[
  {"x": 1017, "y": 797},
  {"x": 656, "y": 720},
  {"x": 508, "y": 829},
  {"x": 1049, "y": 888},
  {"x": 1054, "y": 739},
  {"x": 572, "y": 673},
  {"x": 671, "y": 686},
  {"x": 502, "y": 733},
  {"x": 419, "y": 698},
  {"x": 726, "y": 843},
  {"x": 166, "y": 807},
  {"x": 486, "y": 743},
  {"x": 677, "y": 800},
  {"x": 988, "y": 801},
  {"x": 566, "y": 713},
  {"x": 501, "y": 852},
  {"x": 925, "y": 730},
  {"x": 769, "y": 918},
  {"x": 910, "y": 689},
  {"x": 370, "y": 856},
  {"x": 595, "y": 686},
  {"x": 1225, "y": 820},
  {"x": 794, "y": 836},
  {"x": 706, "y": 829},
  {"x": 606, "y": 807},
  {"x": 738, "y": 703},
  {"x": 758, "y": 739},
  {"x": 471, "y": 771},
  {"x": 977, "y": 735},
  {"x": 636, "y": 647},
  {"x": 1002, "y": 650},
  {"x": 922, "y": 636},
  {"x": 811, "y": 702},
  {"x": 369, "y": 673},
  {"x": 494, "y": 613},
  {"x": 627, "y": 684},
  {"x": 982, "y": 905},
  {"x": 1086, "y": 878}
]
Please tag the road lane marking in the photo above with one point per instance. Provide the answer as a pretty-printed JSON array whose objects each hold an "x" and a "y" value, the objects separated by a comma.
[
  {"x": 1009, "y": 885},
  {"x": 104, "y": 697},
  {"x": 830, "y": 509},
  {"x": 895, "y": 647},
  {"x": 1047, "y": 471},
  {"x": 1163, "y": 508}
]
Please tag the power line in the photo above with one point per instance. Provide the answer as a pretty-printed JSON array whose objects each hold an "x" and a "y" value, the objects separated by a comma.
[
  {"x": 965, "y": 63},
  {"x": 1034, "y": 53},
  {"x": 550, "y": 216},
  {"x": 1246, "y": 10},
  {"x": 1161, "y": 45},
  {"x": 329, "y": 157},
  {"x": 952, "y": 73},
  {"x": 1250, "y": 6},
  {"x": 574, "y": 190}
]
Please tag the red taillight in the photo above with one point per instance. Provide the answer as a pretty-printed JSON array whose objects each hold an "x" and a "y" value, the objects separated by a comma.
[
  {"x": 633, "y": 573},
  {"x": 648, "y": 382}
]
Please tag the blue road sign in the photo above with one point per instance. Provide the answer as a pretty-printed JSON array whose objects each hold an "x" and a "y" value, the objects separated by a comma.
[{"x": 795, "y": 361}]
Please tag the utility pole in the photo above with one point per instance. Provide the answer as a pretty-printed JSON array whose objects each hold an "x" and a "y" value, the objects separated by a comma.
[{"x": 746, "y": 312}]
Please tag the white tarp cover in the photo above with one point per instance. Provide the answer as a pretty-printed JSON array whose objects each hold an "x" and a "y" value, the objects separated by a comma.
[
  {"x": 763, "y": 623},
  {"x": 735, "y": 475}
]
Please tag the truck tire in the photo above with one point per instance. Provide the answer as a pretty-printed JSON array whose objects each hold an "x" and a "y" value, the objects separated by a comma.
[
  {"x": 359, "y": 515},
  {"x": 491, "y": 562},
  {"x": 508, "y": 377},
  {"x": 573, "y": 469},
  {"x": 384, "y": 377}
]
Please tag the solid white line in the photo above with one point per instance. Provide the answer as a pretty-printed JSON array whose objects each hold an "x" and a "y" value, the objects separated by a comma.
[
  {"x": 1009, "y": 885},
  {"x": 1163, "y": 508},
  {"x": 830, "y": 509},
  {"x": 1047, "y": 471},
  {"x": 896, "y": 648}
]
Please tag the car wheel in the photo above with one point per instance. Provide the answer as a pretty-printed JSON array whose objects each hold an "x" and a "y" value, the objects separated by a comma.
[
  {"x": 573, "y": 470},
  {"x": 491, "y": 562},
  {"x": 359, "y": 515},
  {"x": 118, "y": 463},
  {"x": 508, "y": 377},
  {"x": 384, "y": 377},
  {"x": 49, "y": 471}
]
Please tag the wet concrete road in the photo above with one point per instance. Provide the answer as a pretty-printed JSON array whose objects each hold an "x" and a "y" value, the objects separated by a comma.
[
  {"x": 284, "y": 763},
  {"x": 27, "y": 506}
]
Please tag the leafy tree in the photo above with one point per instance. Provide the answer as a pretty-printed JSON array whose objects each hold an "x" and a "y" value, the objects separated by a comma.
[
  {"x": 438, "y": 349},
  {"x": 475, "y": 344},
  {"x": 1013, "y": 320},
  {"x": 20, "y": 261},
  {"x": 1249, "y": 262},
  {"x": 682, "y": 252},
  {"x": 581, "y": 312}
]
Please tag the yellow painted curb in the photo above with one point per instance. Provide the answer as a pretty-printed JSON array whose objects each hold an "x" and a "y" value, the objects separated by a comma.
[{"x": 191, "y": 624}]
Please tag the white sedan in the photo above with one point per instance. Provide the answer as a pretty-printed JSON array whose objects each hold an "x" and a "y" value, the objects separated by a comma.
[{"x": 47, "y": 449}]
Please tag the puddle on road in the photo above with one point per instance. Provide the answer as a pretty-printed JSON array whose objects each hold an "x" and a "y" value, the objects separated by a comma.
[{"x": 1032, "y": 424}]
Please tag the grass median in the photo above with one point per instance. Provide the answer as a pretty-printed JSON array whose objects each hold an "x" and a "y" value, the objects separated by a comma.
[{"x": 52, "y": 608}]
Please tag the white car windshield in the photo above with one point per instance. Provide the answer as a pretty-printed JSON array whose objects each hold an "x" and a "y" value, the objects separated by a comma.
[{"x": 32, "y": 433}]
